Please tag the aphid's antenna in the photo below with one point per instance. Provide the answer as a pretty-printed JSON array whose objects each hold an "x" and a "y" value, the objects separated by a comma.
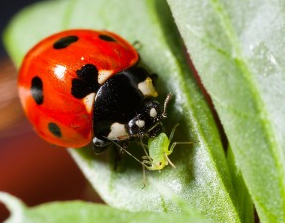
[
  {"x": 126, "y": 151},
  {"x": 156, "y": 124},
  {"x": 167, "y": 99},
  {"x": 143, "y": 165},
  {"x": 176, "y": 143},
  {"x": 144, "y": 177}
]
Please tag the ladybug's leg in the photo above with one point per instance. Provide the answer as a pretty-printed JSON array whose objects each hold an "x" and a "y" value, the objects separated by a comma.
[
  {"x": 117, "y": 156},
  {"x": 119, "y": 152}
]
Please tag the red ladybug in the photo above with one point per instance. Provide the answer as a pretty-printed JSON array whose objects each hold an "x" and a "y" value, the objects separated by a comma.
[{"x": 82, "y": 86}]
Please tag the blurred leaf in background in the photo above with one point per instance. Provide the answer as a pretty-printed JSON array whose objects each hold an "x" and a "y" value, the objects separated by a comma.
[{"x": 79, "y": 211}]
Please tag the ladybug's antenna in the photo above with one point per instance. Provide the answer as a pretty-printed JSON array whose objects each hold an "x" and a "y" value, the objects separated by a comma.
[
  {"x": 167, "y": 99},
  {"x": 164, "y": 114}
]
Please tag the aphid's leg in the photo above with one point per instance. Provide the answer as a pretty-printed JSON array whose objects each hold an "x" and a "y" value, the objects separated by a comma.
[
  {"x": 147, "y": 164},
  {"x": 119, "y": 152},
  {"x": 144, "y": 157},
  {"x": 175, "y": 144},
  {"x": 143, "y": 163},
  {"x": 144, "y": 177},
  {"x": 144, "y": 147},
  {"x": 127, "y": 152},
  {"x": 153, "y": 127},
  {"x": 172, "y": 132},
  {"x": 140, "y": 143},
  {"x": 147, "y": 158},
  {"x": 170, "y": 150},
  {"x": 169, "y": 161}
]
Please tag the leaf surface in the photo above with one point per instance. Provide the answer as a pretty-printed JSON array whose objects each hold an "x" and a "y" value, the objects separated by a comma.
[{"x": 237, "y": 48}]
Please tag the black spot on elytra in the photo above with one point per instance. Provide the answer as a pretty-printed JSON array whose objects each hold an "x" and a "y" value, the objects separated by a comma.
[
  {"x": 37, "y": 90},
  {"x": 64, "y": 42},
  {"x": 88, "y": 72},
  {"x": 86, "y": 83},
  {"x": 106, "y": 38},
  {"x": 54, "y": 129}
]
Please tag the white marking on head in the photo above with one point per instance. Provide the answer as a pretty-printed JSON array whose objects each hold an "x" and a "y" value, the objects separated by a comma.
[
  {"x": 103, "y": 75},
  {"x": 140, "y": 123},
  {"x": 147, "y": 88},
  {"x": 153, "y": 113},
  {"x": 118, "y": 131},
  {"x": 88, "y": 102},
  {"x": 59, "y": 71}
]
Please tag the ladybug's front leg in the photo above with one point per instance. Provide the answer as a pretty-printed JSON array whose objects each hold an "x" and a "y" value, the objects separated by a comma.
[
  {"x": 119, "y": 152},
  {"x": 100, "y": 145}
]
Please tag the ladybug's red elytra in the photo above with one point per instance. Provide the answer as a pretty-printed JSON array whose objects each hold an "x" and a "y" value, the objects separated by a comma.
[{"x": 82, "y": 86}]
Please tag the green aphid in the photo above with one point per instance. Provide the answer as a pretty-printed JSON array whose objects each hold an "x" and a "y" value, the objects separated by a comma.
[
  {"x": 157, "y": 152},
  {"x": 159, "y": 149}
]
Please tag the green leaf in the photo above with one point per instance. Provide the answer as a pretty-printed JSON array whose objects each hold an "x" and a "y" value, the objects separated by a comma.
[
  {"x": 79, "y": 211},
  {"x": 201, "y": 178},
  {"x": 237, "y": 48},
  {"x": 245, "y": 205}
]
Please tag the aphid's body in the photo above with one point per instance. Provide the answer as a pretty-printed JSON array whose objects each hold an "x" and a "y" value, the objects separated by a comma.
[{"x": 158, "y": 149}]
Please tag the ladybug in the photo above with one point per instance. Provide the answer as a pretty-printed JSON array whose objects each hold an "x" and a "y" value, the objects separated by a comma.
[{"x": 83, "y": 86}]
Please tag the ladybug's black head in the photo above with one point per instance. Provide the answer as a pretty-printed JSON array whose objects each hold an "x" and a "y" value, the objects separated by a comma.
[{"x": 148, "y": 121}]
